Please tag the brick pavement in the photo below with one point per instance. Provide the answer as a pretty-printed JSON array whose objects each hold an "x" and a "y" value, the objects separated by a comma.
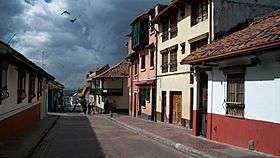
[{"x": 183, "y": 136}]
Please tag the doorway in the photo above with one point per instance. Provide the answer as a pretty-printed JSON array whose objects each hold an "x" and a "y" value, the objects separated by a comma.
[
  {"x": 175, "y": 111},
  {"x": 203, "y": 99},
  {"x": 163, "y": 105}
]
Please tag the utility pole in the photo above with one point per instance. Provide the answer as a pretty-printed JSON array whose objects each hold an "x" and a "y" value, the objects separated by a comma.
[{"x": 42, "y": 61}]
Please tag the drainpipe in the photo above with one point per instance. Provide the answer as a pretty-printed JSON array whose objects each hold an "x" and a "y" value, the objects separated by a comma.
[
  {"x": 210, "y": 36},
  {"x": 156, "y": 50}
]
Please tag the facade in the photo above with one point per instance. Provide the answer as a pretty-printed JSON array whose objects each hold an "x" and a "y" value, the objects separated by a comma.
[
  {"x": 24, "y": 91},
  {"x": 237, "y": 84},
  {"x": 142, "y": 48},
  {"x": 184, "y": 26},
  {"x": 110, "y": 87},
  {"x": 55, "y": 96}
]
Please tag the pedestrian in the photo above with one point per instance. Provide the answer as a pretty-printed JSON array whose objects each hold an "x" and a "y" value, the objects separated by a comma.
[
  {"x": 89, "y": 108},
  {"x": 114, "y": 105},
  {"x": 106, "y": 106}
]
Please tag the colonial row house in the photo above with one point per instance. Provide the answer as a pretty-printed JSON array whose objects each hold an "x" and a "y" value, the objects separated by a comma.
[
  {"x": 24, "y": 91},
  {"x": 55, "y": 96},
  {"x": 183, "y": 27},
  {"x": 142, "y": 48},
  {"x": 237, "y": 84},
  {"x": 109, "y": 85}
]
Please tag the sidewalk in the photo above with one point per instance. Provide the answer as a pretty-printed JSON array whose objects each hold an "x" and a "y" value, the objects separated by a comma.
[
  {"x": 182, "y": 140},
  {"x": 23, "y": 144}
]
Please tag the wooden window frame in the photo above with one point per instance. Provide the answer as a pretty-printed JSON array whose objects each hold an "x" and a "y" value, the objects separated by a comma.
[
  {"x": 135, "y": 69},
  {"x": 173, "y": 26},
  {"x": 173, "y": 60},
  {"x": 235, "y": 95},
  {"x": 143, "y": 62},
  {"x": 21, "y": 92},
  {"x": 199, "y": 11},
  {"x": 152, "y": 58},
  {"x": 31, "y": 90},
  {"x": 197, "y": 44},
  {"x": 3, "y": 83},
  {"x": 164, "y": 65},
  {"x": 165, "y": 26}
]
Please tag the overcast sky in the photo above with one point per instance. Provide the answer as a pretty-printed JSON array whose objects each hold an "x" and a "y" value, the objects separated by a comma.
[{"x": 71, "y": 50}]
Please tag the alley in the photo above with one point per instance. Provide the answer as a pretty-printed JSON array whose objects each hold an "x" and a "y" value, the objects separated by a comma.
[{"x": 95, "y": 136}]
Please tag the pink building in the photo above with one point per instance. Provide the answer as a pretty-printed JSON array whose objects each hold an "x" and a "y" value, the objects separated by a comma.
[{"x": 142, "y": 48}]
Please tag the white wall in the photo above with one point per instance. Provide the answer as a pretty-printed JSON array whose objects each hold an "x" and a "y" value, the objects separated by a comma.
[
  {"x": 10, "y": 106},
  {"x": 262, "y": 90}
]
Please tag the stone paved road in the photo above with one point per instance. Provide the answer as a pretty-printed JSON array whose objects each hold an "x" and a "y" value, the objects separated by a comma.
[{"x": 95, "y": 136}]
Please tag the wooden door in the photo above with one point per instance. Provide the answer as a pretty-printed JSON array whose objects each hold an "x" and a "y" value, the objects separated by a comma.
[
  {"x": 154, "y": 104},
  {"x": 176, "y": 107},
  {"x": 203, "y": 93}
]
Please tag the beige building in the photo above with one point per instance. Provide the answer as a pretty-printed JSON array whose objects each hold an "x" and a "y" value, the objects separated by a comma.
[{"x": 185, "y": 26}]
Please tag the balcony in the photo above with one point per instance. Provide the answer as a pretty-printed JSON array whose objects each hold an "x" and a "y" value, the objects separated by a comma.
[{"x": 108, "y": 91}]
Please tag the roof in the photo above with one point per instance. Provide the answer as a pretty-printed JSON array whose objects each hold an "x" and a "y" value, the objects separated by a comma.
[
  {"x": 119, "y": 70},
  {"x": 262, "y": 34},
  {"x": 9, "y": 53},
  {"x": 97, "y": 72},
  {"x": 142, "y": 16},
  {"x": 169, "y": 10}
]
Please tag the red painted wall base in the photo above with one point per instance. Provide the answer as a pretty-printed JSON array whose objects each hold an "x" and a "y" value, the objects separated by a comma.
[
  {"x": 238, "y": 132},
  {"x": 19, "y": 121}
]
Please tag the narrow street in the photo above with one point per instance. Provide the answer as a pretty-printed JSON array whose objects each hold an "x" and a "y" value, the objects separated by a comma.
[{"x": 95, "y": 136}]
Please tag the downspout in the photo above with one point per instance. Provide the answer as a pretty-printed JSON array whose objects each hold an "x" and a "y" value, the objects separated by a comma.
[{"x": 210, "y": 36}]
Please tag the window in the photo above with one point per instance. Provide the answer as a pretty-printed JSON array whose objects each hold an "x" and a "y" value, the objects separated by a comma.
[
  {"x": 135, "y": 69},
  {"x": 199, "y": 11},
  {"x": 164, "y": 31},
  {"x": 191, "y": 75},
  {"x": 173, "y": 26},
  {"x": 143, "y": 61},
  {"x": 21, "y": 93},
  {"x": 148, "y": 94},
  {"x": 31, "y": 90},
  {"x": 164, "y": 66},
  {"x": 235, "y": 95},
  {"x": 3, "y": 84},
  {"x": 136, "y": 34},
  {"x": 197, "y": 44},
  {"x": 39, "y": 91},
  {"x": 152, "y": 58},
  {"x": 183, "y": 46},
  {"x": 173, "y": 60}
]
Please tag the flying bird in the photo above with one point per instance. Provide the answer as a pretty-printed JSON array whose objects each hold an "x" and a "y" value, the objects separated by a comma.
[
  {"x": 73, "y": 20},
  {"x": 65, "y": 12}
]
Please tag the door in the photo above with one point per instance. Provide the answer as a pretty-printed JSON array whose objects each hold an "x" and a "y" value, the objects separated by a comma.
[
  {"x": 175, "y": 107},
  {"x": 203, "y": 93},
  {"x": 154, "y": 104},
  {"x": 134, "y": 105},
  {"x": 163, "y": 105}
]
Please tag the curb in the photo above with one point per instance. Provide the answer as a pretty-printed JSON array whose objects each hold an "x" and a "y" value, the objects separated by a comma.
[
  {"x": 177, "y": 146},
  {"x": 41, "y": 137}
]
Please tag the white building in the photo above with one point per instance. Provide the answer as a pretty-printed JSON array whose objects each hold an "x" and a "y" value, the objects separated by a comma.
[
  {"x": 237, "y": 84},
  {"x": 111, "y": 86},
  {"x": 24, "y": 91},
  {"x": 184, "y": 26}
]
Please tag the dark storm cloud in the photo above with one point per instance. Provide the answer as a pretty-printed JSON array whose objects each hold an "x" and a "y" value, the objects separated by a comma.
[{"x": 96, "y": 38}]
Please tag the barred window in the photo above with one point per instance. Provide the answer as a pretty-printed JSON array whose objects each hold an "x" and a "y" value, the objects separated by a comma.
[
  {"x": 31, "y": 90},
  {"x": 235, "y": 95},
  {"x": 164, "y": 30},
  {"x": 21, "y": 92},
  {"x": 173, "y": 26}
]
